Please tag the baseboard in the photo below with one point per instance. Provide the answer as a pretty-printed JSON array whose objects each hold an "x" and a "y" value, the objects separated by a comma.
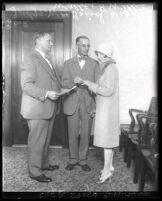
[
  {"x": 24, "y": 145},
  {"x": 52, "y": 146},
  {"x": 58, "y": 146}
]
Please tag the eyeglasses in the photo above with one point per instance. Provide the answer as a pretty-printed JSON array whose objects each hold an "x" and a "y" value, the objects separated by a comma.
[{"x": 83, "y": 45}]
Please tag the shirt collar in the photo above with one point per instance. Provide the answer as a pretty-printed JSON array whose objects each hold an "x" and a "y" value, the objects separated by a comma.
[
  {"x": 82, "y": 57},
  {"x": 78, "y": 56},
  {"x": 41, "y": 53}
]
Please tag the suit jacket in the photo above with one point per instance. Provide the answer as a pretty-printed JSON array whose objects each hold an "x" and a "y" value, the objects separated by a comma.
[
  {"x": 36, "y": 79},
  {"x": 90, "y": 71}
]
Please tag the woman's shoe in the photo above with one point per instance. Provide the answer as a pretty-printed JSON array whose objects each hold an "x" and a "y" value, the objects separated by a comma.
[
  {"x": 111, "y": 170},
  {"x": 105, "y": 177}
]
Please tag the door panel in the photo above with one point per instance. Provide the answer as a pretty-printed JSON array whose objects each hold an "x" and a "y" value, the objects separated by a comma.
[
  {"x": 58, "y": 47},
  {"x": 23, "y": 45}
]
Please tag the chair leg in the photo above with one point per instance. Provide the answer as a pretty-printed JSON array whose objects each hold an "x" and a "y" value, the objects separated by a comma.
[
  {"x": 129, "y": 154},
  {"x": 121, "y": 142},
  {"x": 137, "y": 162},
  {"x": 156, "y": 186},
  {"x": 142, "y": 176},
  {"x": 125, "y": 148}
]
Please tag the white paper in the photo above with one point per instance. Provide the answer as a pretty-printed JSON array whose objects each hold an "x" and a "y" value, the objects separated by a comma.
[{"x": 66, "y": 91}]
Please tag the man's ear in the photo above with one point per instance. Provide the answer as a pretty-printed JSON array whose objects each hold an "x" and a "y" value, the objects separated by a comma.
[
  {"x": 38, "y": 40},
  {"x": 76, "y": 46}
]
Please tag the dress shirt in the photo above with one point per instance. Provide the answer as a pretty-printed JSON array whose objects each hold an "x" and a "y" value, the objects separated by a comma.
[
  {"x": 81, "y": 63},
  {"x": 44, "y": 56}
]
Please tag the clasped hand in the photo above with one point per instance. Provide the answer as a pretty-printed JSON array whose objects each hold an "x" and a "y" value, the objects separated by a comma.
[
  {"x": 79, "y": 80},
  {"x": 87, "y": 83}
]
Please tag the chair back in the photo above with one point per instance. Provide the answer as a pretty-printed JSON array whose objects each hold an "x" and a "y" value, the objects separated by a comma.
[
  {"x": 148, "y": 135},
  {"x": 145, "y": 131},
  {"x": 153, "y": 109}
]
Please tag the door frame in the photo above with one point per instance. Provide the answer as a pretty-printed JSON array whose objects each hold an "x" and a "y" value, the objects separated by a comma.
[{"x": 8, "y": 60}]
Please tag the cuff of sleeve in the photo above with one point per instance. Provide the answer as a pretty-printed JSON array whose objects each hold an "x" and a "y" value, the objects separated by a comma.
[
  {"x": 46, "y": 95},
  {"x": 97, "y": 89},
  {"x": 94, "y": 88},
  {"x": 43, "y": 97}
]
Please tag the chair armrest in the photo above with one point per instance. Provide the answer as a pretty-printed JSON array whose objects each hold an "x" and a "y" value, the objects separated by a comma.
[
  {"x": 141, "y": 117},
  {"x": 137, "y": 110},
  {"x": 131, "y": 111}
]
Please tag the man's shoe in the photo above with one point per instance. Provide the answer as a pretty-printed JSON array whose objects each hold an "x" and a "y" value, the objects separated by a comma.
[
  {"x": 42, "y": 178},
  {"x": 70, "y": 166},
  {"x": 85, "y": 167},
  {"x": 51, "y": 167}
]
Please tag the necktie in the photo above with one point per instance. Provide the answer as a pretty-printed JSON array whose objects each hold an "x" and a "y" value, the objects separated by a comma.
[{"x": 82, "y": 58}]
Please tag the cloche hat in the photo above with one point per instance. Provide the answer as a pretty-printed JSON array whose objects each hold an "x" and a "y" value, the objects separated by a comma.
[{"x": 107, "y": 49}]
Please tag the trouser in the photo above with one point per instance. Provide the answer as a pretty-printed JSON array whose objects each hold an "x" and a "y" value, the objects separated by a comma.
[
  {"x": 40, "y": 133},
  {"x": 79, "y": 123}
]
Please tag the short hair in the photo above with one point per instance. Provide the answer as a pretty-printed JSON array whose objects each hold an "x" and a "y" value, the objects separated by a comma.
[
  {"x": 79, "y": 37},
  {"x": 39, "y": 35}
]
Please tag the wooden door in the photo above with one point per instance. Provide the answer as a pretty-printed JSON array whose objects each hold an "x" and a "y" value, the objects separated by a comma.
[{"x": 22, "y": 44}]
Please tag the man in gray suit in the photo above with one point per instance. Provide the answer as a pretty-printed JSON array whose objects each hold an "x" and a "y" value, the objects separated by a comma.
[
  {"x": 79, "y": 104},
  {"x": 40, "y": 84}
]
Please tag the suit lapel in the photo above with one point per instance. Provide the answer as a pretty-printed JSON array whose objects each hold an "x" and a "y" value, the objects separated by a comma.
[
  {"x": 54, "y": 71},
  {"x": 76, "y": 65},
  {"x": 87, "y": 64},
  {"x": 46, "y": 66}
]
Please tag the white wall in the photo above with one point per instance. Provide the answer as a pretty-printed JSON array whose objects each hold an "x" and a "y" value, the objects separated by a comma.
[{"x": 132, "y": 30}]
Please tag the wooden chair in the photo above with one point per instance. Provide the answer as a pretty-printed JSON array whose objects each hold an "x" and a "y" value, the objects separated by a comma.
[
  {"x": 127, "y": 129},
  {"x": 149, "y": 159},
  {"x": 131, "y": 130},
  {"x": 143, "y": 141}
]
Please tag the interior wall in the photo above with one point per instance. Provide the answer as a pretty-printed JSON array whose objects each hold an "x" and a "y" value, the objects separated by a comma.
[{"x": 132, "y": 30}]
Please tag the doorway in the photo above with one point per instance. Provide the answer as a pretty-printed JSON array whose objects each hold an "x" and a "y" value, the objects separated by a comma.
[{"x": 21, "y": 44}]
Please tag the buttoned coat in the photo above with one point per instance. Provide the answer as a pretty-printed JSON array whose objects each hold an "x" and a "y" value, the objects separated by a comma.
[
  {"x": 36, "y": 79},
  {"x": 106, "y": 125},
  {"x": 90, "y": 71}
]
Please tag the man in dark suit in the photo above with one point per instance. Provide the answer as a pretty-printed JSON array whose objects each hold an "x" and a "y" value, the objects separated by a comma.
[
  {"x": 40, "y": 84},
  {"x": 79, "y": 104}
]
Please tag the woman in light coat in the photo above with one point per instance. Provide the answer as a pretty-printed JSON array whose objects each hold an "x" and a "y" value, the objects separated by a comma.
[{"x": 106, "y": 125}]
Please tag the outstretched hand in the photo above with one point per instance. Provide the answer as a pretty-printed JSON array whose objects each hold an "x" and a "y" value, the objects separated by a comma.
[
  {"x": 52, "y": 95},
  {"x": 92, "y": 113},
  {"x": 91, "y": 85},
  {"x": 86, "y": 82}
]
